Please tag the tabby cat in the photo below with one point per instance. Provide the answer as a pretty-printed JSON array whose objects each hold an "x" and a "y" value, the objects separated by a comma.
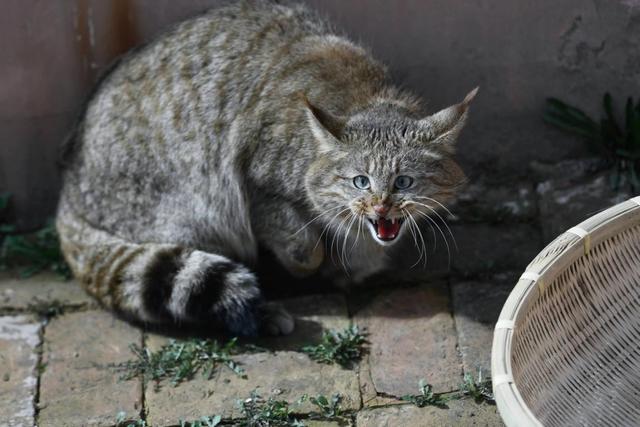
[{"x": 250, "y": 125}]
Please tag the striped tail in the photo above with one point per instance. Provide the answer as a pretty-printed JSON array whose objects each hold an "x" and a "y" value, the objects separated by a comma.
[{"x": 160, "y": 283}]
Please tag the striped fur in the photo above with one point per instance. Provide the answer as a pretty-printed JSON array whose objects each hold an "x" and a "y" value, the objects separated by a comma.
[
  {"x": 160, "y": 283},
  {"x": 241, "y": 127}
]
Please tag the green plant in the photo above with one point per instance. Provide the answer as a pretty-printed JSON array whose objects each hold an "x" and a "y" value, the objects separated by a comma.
[
  {"x": 203, "y": 422},
  {"x": 479, "y": 389},
  {"x": 343, "y": 348},
  {"x": 34, "y": 252},
  {"x": 329, "y": 407},
  {"x": 258, "y": 412},
  {"x": 123, "y": 421},
  {"x": 180, "y": 360},
  {"x": 619, "y": 145},
  {"x": 426, "y": 397}
]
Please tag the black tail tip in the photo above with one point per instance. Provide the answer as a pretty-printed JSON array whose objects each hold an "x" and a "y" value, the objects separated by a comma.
[{"x": 241, "y": 320}]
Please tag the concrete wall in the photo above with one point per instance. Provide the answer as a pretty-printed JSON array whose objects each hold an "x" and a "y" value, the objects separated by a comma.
[{"x": 518, "y": 52}]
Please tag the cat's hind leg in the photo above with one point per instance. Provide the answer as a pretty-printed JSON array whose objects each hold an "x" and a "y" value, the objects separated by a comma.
[{"x": 166, "y": 283}]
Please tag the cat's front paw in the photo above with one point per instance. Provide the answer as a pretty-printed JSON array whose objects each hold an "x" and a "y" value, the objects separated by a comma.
[{"x": 275, "y": 320}]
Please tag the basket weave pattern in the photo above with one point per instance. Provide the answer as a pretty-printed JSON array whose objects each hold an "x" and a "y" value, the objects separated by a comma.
[
  {"x": 570, "y": 351},
  {"x": 576, "y": 354}
]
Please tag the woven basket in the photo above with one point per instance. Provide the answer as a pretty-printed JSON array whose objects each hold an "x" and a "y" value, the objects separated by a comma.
[{"x": 566, "y": 348}]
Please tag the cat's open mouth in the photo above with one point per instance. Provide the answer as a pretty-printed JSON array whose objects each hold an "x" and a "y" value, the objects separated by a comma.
[{"x": 385, "y": 230}]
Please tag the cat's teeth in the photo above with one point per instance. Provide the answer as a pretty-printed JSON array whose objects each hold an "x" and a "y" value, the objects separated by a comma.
[{"x": 393, "y": 220}]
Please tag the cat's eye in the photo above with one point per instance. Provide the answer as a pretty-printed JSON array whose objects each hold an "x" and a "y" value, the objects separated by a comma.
[
  {"x": 361, "y": 182},
  {"x": 403, "y": 182}
]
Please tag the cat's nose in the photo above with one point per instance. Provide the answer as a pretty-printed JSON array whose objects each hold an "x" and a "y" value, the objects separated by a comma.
[{"x": 381, "y": 209}]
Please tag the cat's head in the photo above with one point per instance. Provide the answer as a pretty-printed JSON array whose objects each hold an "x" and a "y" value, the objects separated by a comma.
[{"x": 384, "y": 169}]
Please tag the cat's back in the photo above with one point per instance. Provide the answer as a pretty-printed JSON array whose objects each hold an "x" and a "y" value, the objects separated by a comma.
[
  {"x": 220, "y": 54},
  {"x": 167, "y": 106},
  {"x": 185, "y": 88}
]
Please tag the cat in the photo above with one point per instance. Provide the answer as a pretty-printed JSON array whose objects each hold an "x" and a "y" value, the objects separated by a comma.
[{"x": 251, "y": 125}]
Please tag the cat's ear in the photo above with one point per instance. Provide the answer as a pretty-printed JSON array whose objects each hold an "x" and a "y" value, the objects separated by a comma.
[
  {"x": 325, "y": 127},
  {"x": 443, "y": 127}
]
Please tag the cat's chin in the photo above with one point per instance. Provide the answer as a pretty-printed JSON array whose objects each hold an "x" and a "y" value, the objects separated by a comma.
[{"x": 385, "y": 232}]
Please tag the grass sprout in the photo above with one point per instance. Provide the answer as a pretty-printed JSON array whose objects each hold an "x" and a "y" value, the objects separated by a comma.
[
  {"x": 426, "y": 397},
  {"x": 479, "y": 388},
  {"x": 344, "y": 348},
  {"x": 329, "y": 407},
  {"x": 181, "y": 360},
  {"x": 34, "y": 252},
  {"x": 203, "y": 422},
  {"x": 123, "y": 421},
  {"x": 259, "y": 412}
]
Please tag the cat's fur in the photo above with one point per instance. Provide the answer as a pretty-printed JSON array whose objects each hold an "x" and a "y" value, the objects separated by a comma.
[{"x": 240, "y": 127}]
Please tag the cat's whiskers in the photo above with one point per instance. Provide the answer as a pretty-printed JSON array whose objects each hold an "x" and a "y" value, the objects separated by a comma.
[
  {"x": 439, "y": 217},
  {"x": 433, "y": 231},
  {"x": 437, "y": 202},
  {"x": 336, "y": 233},
  {"x": 419, "y": 232},
  {"x": 432, "y": 221},
  {"x": 327, "y": 212},
  {"x": 413, "y": 234},
  {"x": 328, "y": 225},
  {"x": 360, "y": 225},
  {"x": 344, "y": 256}
]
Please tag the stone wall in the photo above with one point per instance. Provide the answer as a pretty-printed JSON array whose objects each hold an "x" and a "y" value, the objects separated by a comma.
[{"x": 518, "y": 52}]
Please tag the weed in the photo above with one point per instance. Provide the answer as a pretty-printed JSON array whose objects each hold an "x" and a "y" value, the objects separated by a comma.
[
  {"x": 343, "y": 348},
  {"x": 619, "y": 145},
  {"x": 266, "y": 413},
  {"x": 426, "y": 397},
  {"x": 479, "y": 389},
  {"x": 123, "y": 421},
  {"x": 180, "y": 360},
  {"x": 329, "y": 408},
  {"x": 34, "y": 252},
  {"x": 203, "y": 422}
]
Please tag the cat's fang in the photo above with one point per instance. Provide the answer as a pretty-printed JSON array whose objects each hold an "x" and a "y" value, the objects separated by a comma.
[{"x": 386, "y": 229}]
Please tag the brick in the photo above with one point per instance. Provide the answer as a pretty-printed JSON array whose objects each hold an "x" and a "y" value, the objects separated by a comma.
[
  {"x": 78, "y": 386},
  {"x": 18, "y": 294},
  {"x": 460, "y": 413},
  {"x": 284, "y": 375},
  {"x": 370, "y": 396},
  {"x": 412, "y": 337},
  {"x": 18, "y": 359},
  {"x": 477, "y": 305}
]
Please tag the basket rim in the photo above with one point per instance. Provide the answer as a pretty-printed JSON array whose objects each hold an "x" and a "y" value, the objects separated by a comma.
[{"x": 545, "y": 267}]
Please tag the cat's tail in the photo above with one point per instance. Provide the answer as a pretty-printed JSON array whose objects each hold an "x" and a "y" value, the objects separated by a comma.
[{"x": 160, "y": 283}]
